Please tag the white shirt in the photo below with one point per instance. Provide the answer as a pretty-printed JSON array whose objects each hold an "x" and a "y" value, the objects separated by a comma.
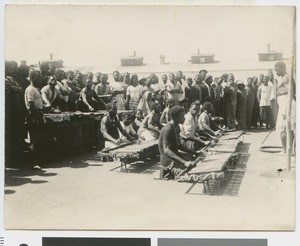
[
  {"x": 49, "y": 95},
  {"x": 33, "y": 94},
  {"x": 189, "y": 127},
  {"x": 203, "y": 119},
  {"x": 134, "y": 93},
  {"x": 265, "y": 95}
]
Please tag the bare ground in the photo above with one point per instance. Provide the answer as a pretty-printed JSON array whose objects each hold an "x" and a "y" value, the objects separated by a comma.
[{"x": 83, "y": 193}]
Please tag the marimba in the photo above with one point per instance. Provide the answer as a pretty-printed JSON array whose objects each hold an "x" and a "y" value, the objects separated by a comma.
[
  {"x": 213, "y": 163},
  {"x": 218, "y": 158},
  {"x": 135, "y": 152}
]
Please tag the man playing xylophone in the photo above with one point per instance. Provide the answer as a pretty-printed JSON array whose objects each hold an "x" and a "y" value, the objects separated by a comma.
[
  {"x": 169, "y": 144},
  {"x": 110, "y": 127},
  {"x": 189, "y": 129}
]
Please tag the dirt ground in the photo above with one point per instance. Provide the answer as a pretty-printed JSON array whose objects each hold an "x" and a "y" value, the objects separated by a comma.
[{"x": 83, "y": 193}]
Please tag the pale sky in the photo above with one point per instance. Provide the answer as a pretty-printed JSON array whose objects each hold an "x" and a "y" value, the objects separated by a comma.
[{"x": 98, "y": 35}]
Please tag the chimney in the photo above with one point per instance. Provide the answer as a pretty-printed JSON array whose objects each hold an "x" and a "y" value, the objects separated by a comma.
[
  {"x": 198, "y": 51},
  {"x": 162, "y": 60},
  {"x": 134, "y": 53},
  {"x": 51, "y": 57},
  {"x": 269, "y": 49}
]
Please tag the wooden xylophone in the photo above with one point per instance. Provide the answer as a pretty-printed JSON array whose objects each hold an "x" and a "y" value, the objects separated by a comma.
[
  {"x": 228, "y": 142},
  {"x": 213, "y": 163},
  {"x": 135, "y": 152},
  {"x": 217, "y": 158}
]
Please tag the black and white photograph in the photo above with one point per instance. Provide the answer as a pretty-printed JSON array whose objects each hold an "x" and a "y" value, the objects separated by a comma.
[{"x": 150, "y": 117}]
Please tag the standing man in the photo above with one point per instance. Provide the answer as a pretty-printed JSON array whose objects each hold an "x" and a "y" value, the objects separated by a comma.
[
  {"x": 241, "y": 106},
  {"x": 180, "y": 78},
  {"x": 174, "y": 89},
  {"x": 263, "y": 96},
  {"x": 116, "y": 76},
  {"x": 14, "y": 122},
  {"x": 219, "y": 98},
  {"x": 255, "y": 114},
  {"x": 118, "y": 91},
  {"x": 45, "y": 73},
  {"x": 187, "y": 89},
  {"x": 78, "y": 80},
  {"x": 23, "y": 75},
  {"x": 96, "y": 81},
  {"x": 230, "y": 92},
  {"x": 163, "y": 93},
  {"x": 283, "y": 100},
  {"x": 274, "y": 105},
  {"x": 35, "y": 120},
  {"x": 195, "y": 91},
  {"x": 203, "y": 74},
  {"x": 210, "y": 90},
  {"x": 133, "y": 93},
  {"x": 260, "y": 81},
  {"x": 251, "y": 97},
  {"x": 203, "y": 88},
  {"x": 103, "y": 87}
]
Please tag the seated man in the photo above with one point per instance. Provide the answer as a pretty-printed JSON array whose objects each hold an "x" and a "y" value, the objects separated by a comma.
[
  {"x": 189, "y": 129},
  {"x": 205, "y": 123},
  {"x": 164, "y": 118},
  {"x": 128, "y": 128},
  {"x": 169, "y": 144},
  {"x": 52, "y": 98},
  {"x": 150, "y": 126},
  {"x": 138, "y": 120},
  {"x": 88, "y": 100},
  {"x": 111, "y": 128}
]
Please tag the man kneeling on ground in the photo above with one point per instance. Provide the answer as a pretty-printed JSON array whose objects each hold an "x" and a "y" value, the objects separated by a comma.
[
  {"x": 110, "y": 127},
  {"x": 205, "y": 122},
  {"x": 169, "y": 144},
  {"x": 189, "y": 129}
]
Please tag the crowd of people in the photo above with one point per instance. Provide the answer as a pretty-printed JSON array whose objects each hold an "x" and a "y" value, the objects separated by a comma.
[{"x": 209, "y": 104}]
